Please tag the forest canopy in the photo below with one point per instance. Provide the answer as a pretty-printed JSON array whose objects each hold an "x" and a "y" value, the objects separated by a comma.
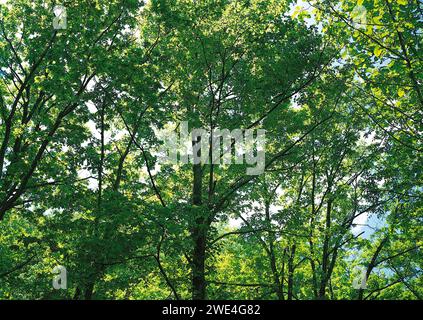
[{"x": 90, "y": 89}]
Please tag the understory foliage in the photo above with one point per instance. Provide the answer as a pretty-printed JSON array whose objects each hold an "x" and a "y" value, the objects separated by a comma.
[{"x": 82, "y": 186}]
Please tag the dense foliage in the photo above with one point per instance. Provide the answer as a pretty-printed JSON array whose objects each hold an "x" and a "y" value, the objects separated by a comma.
[{"x": 338, "y": 91}]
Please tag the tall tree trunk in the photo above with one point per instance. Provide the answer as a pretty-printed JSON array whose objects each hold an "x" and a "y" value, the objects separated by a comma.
[
  {"x": 89, "y": 289},
  {"x": 325, "y": 257},
  {"x": 77, "y": 293},
  {"x": 271, "y": 252},
  {"x": 199, "y": 234},
  {"x": 275, "y": 273},
  {"x": 198, "y": 261},
  {"x": 310, "y": 241},
  {"x": 291, "y": 272}
]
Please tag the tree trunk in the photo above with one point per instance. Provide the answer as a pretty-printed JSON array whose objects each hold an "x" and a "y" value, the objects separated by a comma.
[
  {"x": 291, "y": 272},
  {"x": 271, "y": 252},
  {"x": 199, "y": 235},
  {"x": 89, "y": 289},
  {"x": 198, "y": 261},
  {"x": 325, "y": 258}
]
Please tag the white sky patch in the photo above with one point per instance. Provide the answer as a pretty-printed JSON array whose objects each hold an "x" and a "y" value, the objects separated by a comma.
[
  {"x": 84, "y": 173},
  {"x": 52, "y": 211},
  {"x": 93, "y": 129},
  {"x": 295, "y": 106},
  {"x": 257, "y": 207},
  {"x": 302, "y": 6},
  {"x": 91, "y": 106},
  {"x": 360, "y": 222},
  {"x": 96, "y": 133},
  {"x": 119, "y": 134},
  {"x": 91, "y": 84},
  {"x": 235, "y": 223},
  {"x": 367, "y": 139},
  {"x": 275, "y": 208},
  {"x": 153, "y": 171},
  {"x": 92, "y": 184}
]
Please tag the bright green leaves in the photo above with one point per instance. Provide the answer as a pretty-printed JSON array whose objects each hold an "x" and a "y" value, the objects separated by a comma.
[
  {"x": 401, "y": 92},
  {"x": 340, "y": 98},
  {"x": 378, "y": 51}
]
